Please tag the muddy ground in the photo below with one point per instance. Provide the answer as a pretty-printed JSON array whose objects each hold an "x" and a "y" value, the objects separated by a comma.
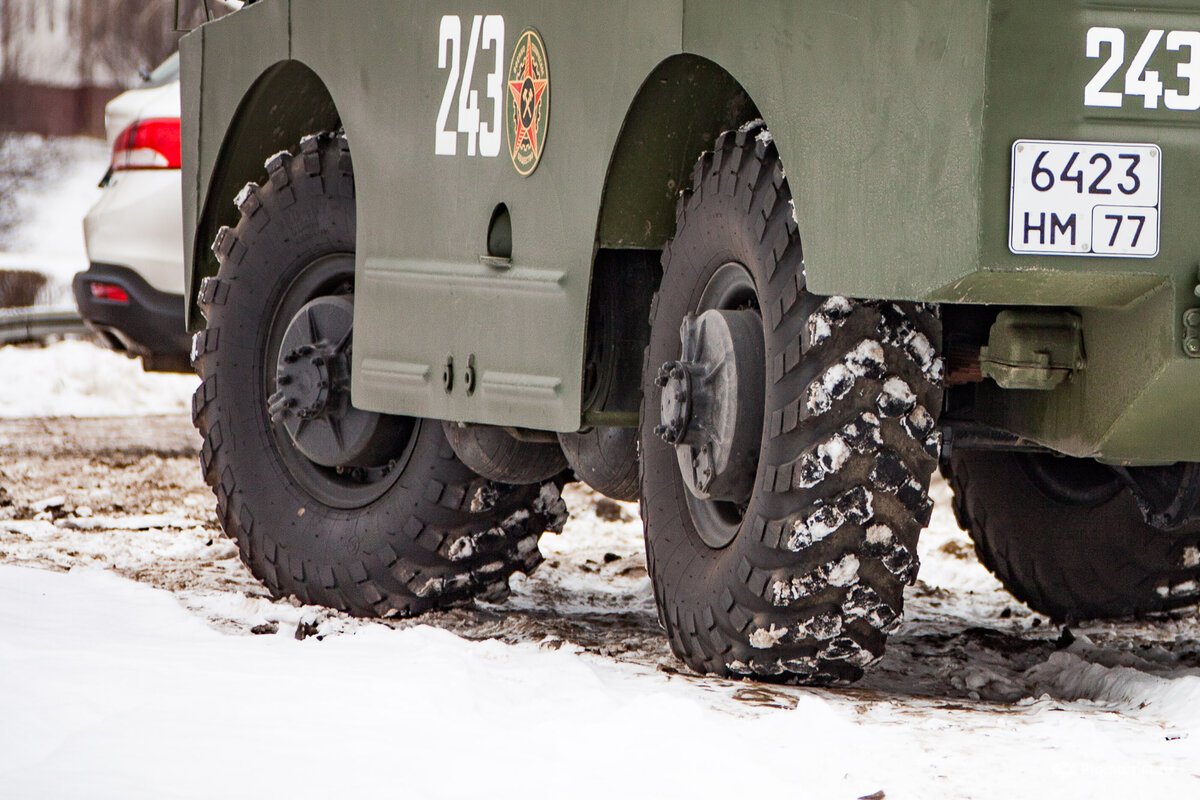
[{"x": 127, "y": 494}]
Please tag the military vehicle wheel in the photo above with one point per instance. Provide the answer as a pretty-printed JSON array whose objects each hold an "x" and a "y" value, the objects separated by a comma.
[
  {"x": 787, "y": 442},
  {"x": 369, "y": 513},
  {"x": 1066, "y": 538}
]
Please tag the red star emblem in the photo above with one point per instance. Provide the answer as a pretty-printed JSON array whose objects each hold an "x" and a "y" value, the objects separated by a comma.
[{"x": 527, "y": 95}]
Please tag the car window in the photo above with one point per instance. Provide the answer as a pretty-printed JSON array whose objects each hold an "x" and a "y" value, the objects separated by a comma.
[{"x": 164, "y": 73}]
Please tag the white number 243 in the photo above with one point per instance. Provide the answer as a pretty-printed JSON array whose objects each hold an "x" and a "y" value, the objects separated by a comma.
[
  {"x": 1139, "y": 81},
  {"x": 487, "y": 33}
]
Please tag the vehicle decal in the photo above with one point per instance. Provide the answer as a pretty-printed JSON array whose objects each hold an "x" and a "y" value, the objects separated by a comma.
[
  {"x": 483, "y": 137},
  {"x": 1139, "y": 81},
  {"x": 528, "y": 108}
]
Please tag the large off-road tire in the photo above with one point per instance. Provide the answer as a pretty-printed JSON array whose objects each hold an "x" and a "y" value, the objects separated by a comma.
[
  {"x": 1066, "y": 538},
  {"x": 405, "y": 526},
  {"x": 805, "y": 579}
]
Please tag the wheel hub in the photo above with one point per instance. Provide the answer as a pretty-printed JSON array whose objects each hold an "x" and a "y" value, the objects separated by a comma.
[
  {"x": 711, "y": 405},
  {"x": 305, "y": 381},
  {"x": 675, "y": 379},
  {"x": 312, "y": 397}
]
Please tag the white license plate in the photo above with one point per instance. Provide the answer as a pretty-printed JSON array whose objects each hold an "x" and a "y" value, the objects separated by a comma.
[{"x": 1085, "y": 199}]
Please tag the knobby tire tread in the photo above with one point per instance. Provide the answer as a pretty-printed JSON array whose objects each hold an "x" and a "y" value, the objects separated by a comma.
[
  {"x": 1070, "y": 562},
  {"x": 440, "y": 536},
  {"x": 766, "y": 602}
]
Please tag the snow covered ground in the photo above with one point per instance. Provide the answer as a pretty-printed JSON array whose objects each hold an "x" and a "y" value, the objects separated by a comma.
[
  {"x": 119, "y": 689},
  {"x": 76, "y": 378},
  {"x": 139, "y": 659},
  {"x": 123, "y": 693}
]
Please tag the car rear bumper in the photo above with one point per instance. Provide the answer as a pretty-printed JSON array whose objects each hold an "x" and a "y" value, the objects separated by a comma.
[{"x": 149, "y": 324}]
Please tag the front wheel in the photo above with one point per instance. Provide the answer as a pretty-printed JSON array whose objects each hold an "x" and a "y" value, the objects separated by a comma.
[
  {"x": 787, "y": 439},
  {"x": 369, "y": 513}
]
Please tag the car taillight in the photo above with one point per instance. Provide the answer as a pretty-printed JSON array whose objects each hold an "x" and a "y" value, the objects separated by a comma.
[
  {"x": 110, "y": 292},
  {"x": 148, "y": 144}
]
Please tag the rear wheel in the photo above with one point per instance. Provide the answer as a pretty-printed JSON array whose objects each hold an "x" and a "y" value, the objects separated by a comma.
[
  {"x": 787, "y": 439},
  {"x": 369, "y": 513},
  {"x": 1065, "y": 536}
]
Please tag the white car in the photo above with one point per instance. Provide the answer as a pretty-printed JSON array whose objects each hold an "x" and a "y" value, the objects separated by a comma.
[{"x": 132, "y": 292}]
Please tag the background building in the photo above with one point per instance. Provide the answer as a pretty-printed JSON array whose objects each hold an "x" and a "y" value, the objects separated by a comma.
[{"x": 62, "y": 60}]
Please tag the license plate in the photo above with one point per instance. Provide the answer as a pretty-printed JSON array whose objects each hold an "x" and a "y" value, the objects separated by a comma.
[{"x": 1085, "y": 199}]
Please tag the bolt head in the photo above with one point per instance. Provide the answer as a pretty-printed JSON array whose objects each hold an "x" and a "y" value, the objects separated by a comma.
[{"x": 1191, "y": 346}]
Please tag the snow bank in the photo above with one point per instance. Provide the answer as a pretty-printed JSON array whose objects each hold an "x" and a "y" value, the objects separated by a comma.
[
  {"x": 1079, "y": 674},
  {"x": 76, "y": 378}
]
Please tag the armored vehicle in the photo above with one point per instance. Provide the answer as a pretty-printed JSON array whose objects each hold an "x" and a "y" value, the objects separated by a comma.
[{"x": 760, "y": 266}]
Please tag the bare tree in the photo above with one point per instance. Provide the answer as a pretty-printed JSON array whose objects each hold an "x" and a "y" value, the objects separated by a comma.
[
  {"x": 5, "y": 34},
  {"x": 105, "y": 42},
  {"x": 122, "y": 37}
]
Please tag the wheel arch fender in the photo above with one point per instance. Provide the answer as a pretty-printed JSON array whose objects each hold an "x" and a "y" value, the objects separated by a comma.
[
  {"x": 676, "y": 114},
  {"x": 260, "y": 127}
]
